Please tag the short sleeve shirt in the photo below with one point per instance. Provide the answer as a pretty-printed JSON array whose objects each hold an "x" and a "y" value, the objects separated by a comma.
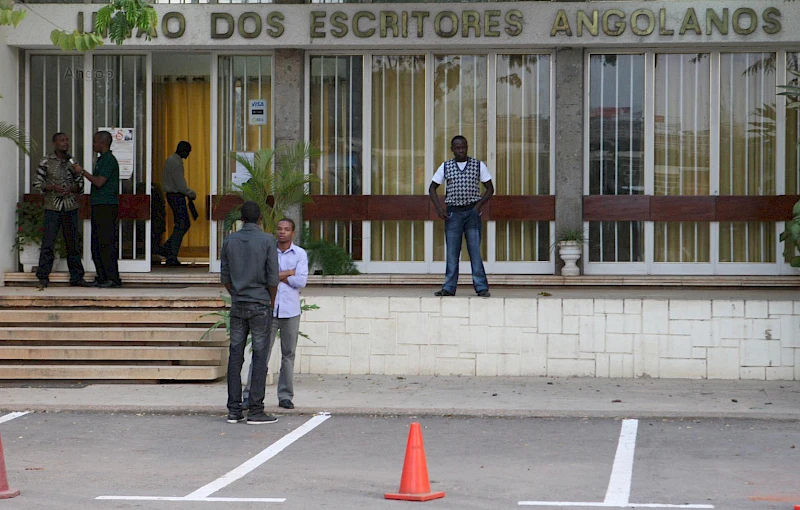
[
  {"x": 438, "y": 176},
  {"x": 108, "y": 167}
]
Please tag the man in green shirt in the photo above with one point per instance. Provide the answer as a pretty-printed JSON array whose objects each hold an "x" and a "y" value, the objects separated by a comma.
[{"x": 104, "y": 199}]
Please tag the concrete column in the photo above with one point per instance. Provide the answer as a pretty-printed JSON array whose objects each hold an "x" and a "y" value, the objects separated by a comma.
[
  {"x": 569, "y": 143},
  {"x": 9, "y": 154},
  {"x": 288, "y": 103}
]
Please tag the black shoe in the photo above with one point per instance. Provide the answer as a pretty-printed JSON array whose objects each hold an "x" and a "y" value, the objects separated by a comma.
[
  {"x": 173, "y": 263},
  {"x": 484, "y": 293},
  {"x": 81, "y": 283},
  {"x": 443, "y": 292},
  {"x": 261, "y": 419},
  {"x": 235, "y": 418},
  {"x": 43, "y": 283},
  {"x": 108, "y": 285},
  {"x": 286, "y": 404}
]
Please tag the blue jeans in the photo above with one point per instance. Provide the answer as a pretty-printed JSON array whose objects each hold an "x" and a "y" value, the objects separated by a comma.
[
  {"x": 463, "y": 223},
  {"x": 180, "y": 216},
  {"x": 256, "y": 319}
]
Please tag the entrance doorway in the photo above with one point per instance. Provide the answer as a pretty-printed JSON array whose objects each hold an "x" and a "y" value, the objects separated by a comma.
[{"x": 182, "y": 111}]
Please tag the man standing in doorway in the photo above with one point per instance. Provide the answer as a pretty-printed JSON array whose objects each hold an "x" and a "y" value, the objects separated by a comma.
[
  {"x": 61, "y": 183},
  {"x": 249, "y": 271},
  {"x": 176, "y": 190},
  {"x": 104, "y": 199},
  {"x": 463, "y": 215}
]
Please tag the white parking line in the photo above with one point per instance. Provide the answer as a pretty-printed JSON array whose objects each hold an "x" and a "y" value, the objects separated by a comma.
[
  {"x": 203, "y": 493},
  {"x": 619, "y": 486},
  {"x": 11, "y": 416}
]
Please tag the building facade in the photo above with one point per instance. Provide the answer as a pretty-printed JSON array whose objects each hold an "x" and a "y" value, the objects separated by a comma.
[{"x": 656, "y": 127}]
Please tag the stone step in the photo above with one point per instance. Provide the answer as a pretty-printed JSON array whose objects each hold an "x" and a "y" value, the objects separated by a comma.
[
  {"x": 211, "y": 355},
  {"x": 69, "y": 335},
  {"x": 112, "y": 372},
  {"x": 105, "y": 316}
]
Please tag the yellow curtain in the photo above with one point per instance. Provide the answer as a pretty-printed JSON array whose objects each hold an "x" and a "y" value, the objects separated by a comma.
[
  {"x": 682, "y": 160},
  {"x": 182, "y": 112},
  {"x": 398, "y": 151},
  {"x": 747, "y": 150}
]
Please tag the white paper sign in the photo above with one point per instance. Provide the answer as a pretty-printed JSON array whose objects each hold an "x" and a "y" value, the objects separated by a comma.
[
  {"x": 240, "y": 174},
  {"x": 258, "y": 112},
  {"x": 122, "y": 145}
]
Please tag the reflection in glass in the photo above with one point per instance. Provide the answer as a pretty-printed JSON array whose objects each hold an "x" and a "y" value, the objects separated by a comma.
[
  {"x": 335, "y": 104},
  {"x": 682, "y": 157},
  {"x": 747, "y": 150},
  {"x": 523, "y": 150},
  {"x": 616, "y": 151}
]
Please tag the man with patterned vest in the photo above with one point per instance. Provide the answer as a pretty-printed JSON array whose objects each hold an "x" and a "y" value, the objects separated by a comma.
[
  {"x": 462, "y": 218},
  {"x": 61, "y": 182}
]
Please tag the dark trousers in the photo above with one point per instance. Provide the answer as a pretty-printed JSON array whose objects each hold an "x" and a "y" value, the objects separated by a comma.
[
  {"x": 180, "y": 215},
  {"x": 256, "y": 319},
  {"x": 68, "y": 222},
  {"x": 105, "y": 243}
]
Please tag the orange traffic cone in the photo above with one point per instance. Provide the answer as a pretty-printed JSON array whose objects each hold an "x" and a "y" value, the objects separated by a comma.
[
  {"x": 414, "y": 484},
  {"x": 5, "y": 492}
]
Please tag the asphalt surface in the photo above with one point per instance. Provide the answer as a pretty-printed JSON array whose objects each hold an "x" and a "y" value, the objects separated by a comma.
[{"x": 67, "y": 460}]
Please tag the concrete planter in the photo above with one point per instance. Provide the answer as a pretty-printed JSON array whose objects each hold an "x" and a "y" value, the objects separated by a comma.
[
  {"x": 29, "y": 256},
  {"x": 570, "y": 252}
]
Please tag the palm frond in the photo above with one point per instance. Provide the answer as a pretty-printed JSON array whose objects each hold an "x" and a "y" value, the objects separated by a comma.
[{"x": 18, "y": 137}]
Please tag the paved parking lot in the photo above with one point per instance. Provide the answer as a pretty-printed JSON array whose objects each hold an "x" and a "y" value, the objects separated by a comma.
[{"x": 68, "y": 460}]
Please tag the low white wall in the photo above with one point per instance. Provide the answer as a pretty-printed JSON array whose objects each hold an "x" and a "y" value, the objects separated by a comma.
[
  {"x": 8, "y": 154},
  {"x": 714, "y": 339}
]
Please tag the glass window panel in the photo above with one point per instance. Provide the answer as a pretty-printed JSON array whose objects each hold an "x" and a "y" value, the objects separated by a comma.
[
  {"x": 335, "y": 124},
  {"x": 119, "y": 93},
  {"x": 616, "y": 241},
  {"x": 460, "y": 104},
  {"x": 750, "y": 241},
  {"x": 682, "y": 241},
  {"x": 616, "y": 151},
  {"x": 682, "y": 158},
  {"x": 402, "y": 241},
  {"x": 616, "y": 125},
  {"x": 747, "y": 124},
  {"x": 519, "y": 241},
  {"x": 747, "y": 150},
  {"x": 793, "y": 133},
  {"x": 240, "y": 79},
  {"x": 56, "y": 103},
  {"x": 398, "y": 150}
]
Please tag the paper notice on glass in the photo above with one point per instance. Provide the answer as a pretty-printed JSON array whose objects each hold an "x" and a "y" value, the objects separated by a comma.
[
  {"x": 240, "y": 174},
  {"x": 122, "y": 146}
]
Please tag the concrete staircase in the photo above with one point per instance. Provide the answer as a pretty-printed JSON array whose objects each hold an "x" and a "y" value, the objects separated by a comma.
[{"x": 96, "y": 337}]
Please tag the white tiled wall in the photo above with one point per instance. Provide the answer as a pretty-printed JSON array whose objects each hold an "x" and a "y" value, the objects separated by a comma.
[{"x": 715, "y": 339}]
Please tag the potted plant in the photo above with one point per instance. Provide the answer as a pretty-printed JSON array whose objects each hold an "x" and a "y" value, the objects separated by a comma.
[
  {"x": 570, "y": 247},
  {"x": 274, "y": 190},
  {"x": 30, "y": 230}
]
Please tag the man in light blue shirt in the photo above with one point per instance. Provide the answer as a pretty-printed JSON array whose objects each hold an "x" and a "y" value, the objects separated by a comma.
[{"x": 293, "y": 275}]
